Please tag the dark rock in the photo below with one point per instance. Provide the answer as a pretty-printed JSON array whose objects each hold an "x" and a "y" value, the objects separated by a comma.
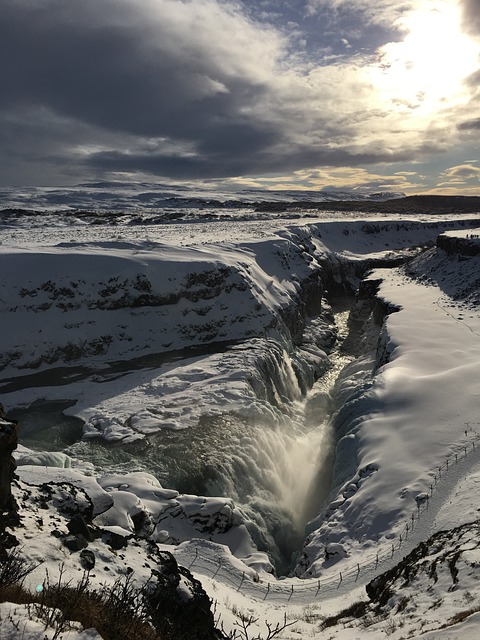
[
  {"x": 115, "y": 540},
  {"x": 7, "y": 541},
  {"x": 178, "y": 605},
  {"x": 88, "y": 559},
  {"x": 8, "y": 443},
  {"x": 75, "y": 542},
  {"x": 143, "y": 524},
  {"x": 78, "y": 525}
]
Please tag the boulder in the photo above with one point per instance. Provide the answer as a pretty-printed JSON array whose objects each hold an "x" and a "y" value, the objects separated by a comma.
[
  {"x": 75, "y": 542},
  {"x": 87, "y": 559},
  {"x": 8, "y": 443},
  {"x": 78, "y": 525}
]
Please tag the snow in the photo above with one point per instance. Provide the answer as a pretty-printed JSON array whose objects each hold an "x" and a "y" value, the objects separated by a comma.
[
  {"x": 17, "y": 621},
  {"x": 397, "y": 422}
]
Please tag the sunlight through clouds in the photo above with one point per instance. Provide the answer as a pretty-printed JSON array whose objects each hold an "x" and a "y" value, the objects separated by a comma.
[
  {"x": 426, "y": 70},
  {"x": 336, "y": 178}
]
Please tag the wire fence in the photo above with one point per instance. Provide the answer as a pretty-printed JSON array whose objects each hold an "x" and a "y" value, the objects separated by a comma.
[{"x": 206, "y": 561}]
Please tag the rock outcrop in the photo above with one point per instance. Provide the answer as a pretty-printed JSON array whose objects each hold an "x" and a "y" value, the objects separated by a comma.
[
  {"x": 8, "y": 443},
  {"x": 455, "y": 244},
  {"x": 178, "y": 604}
]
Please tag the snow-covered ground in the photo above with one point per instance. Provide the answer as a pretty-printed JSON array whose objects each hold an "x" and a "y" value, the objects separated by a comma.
[{"x": 208, "y": 344}]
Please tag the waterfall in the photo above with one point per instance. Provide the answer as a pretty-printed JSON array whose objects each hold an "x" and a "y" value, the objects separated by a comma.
[{"x": 273, "y": 455}]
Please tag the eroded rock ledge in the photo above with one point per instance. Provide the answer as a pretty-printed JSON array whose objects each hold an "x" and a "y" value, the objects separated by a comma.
[{"x": 8, "y": 443}]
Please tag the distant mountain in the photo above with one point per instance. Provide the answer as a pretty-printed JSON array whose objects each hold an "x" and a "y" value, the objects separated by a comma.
[
  {"x": 382, "y": 204},
  {"x": 115, "y": 196},
  {"x": 173, "y": 199}
]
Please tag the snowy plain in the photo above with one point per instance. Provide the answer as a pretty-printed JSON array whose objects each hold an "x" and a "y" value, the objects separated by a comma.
[{"x": 196, "y": 329}]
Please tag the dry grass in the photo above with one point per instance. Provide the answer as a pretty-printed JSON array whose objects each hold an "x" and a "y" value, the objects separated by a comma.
[{"x": 117, "y": 612}]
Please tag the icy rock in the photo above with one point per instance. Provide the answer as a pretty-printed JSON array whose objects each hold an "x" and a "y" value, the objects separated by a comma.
[
  {"x": 143, "y": 485},
  {"x": 421, "y": 498},
  {"x": 209, "y": 515},
  {"x": 333, "y": 506},
  {"x": 45, "y": 459},
  {"x": 74, "y": 483},
  {"x": 143, "y": 507},
  {"x": 367, "y": 470},
  {"x": 335, "y": 550},
  {"x": 350, "y": 490}
]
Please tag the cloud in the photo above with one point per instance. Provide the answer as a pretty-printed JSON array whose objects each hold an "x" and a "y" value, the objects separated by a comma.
[
  {"x": 337, "y": 178},
  {"x": 461, "y": 179},
  {"x": 155, "y": 69},
  {"x": 470, "y": 124},
  {"x": 138, "y": 67},
  {"x": 381, "y": 12},
  {"x": 471, "y": 16},
  {"x": 463, "y": 172},
  {"x": 196, "y": 90}
]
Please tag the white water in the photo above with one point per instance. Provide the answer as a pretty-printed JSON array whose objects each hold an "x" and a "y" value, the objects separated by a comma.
[{"x": 277, "y": 469}]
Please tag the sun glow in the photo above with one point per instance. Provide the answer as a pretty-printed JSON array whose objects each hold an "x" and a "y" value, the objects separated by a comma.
[{"x": 425, "y": 71}]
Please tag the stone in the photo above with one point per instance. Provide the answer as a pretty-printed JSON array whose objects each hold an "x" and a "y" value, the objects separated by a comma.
[
  {"x": 88, "y": 559},
  {"x": 115, "y": 540},
  {"x": 8, "y": 443},
  {"x": 78, "y": 525},
  {"x": 75, "y": 542}
]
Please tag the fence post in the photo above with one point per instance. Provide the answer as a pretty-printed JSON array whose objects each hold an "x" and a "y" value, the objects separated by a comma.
[
  {"x": 318, "y": 588},
  {"x": 291, "y": 594},
  {"x": 268, "y": 589},
  {"x": 193, "y": 561},
  {"x": 341, "y": 579},
  {"x": 241, "y": 582},
  {"x": 219, "y": 567}
]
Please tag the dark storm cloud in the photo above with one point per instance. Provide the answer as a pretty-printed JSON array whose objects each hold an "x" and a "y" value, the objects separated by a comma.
[
  {"x": 141, "y": 69},
  {"x": 214, "y": 165},
  {"x": 112, "y": 72},
  {"x": 470, "y": 124},
  {"x": 471, "y": 16}
]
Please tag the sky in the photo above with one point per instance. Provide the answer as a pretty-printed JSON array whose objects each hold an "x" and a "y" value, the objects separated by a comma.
[{"x": 295, "y": 94}]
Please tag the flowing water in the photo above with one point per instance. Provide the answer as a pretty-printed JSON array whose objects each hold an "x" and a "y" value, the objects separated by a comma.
[{"x": 277, "y": 472}]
